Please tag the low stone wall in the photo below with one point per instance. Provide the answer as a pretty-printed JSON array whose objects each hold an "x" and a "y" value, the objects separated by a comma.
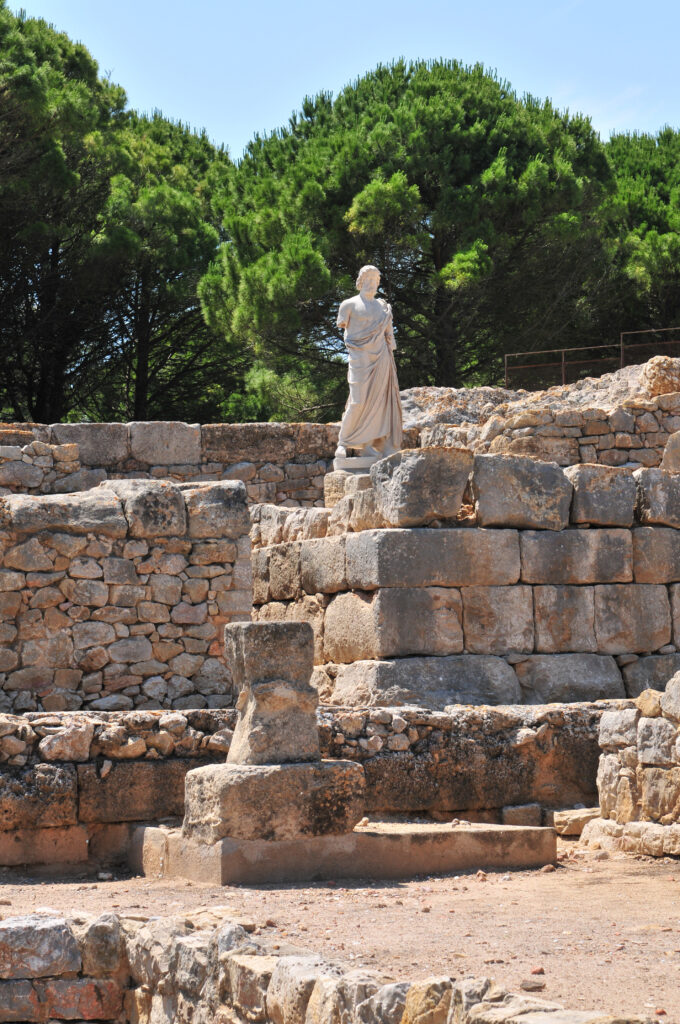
[
  {"x": 114, "y": 598},
  {"x": 633, "y": 434},
  {"x": 207, "y": 965},
  {"x": 548, "y": 585},
  {"x": 278, "y": 462},
  {"x": 639, "y": 775},
  {"x": 73, "y": 785}
]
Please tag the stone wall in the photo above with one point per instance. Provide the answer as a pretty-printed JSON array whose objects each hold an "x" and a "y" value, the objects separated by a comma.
[
  {"x": 278, "y": 462},
  {"x": 114, "y": 598},
  {"x": 74, "y": 784},
  {"x": 639, "y": 775},
  {"x": 633, "y": 434},
  {"x": 207, "y": 965},
  {"x": 439, "y": 580}
]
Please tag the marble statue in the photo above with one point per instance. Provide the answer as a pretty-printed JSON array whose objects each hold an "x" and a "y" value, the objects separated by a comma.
[{"x": 372, "y": 422}]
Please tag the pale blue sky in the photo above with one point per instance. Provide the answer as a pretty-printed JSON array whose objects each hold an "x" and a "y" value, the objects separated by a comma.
[{"x": 237, "y": 68}]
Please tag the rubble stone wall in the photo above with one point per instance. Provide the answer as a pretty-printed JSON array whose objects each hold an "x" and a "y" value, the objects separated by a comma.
[
  {"x": 114, "y": 598},
  {"x": 74, "y": 784},
  {"x": 551, "y": 585},
  {"x": 633, "y": 434},
  {"x": 209, "y": 965}
]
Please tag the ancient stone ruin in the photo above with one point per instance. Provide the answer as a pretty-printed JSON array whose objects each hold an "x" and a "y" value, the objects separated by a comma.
[{"x": 220, "y": 660}]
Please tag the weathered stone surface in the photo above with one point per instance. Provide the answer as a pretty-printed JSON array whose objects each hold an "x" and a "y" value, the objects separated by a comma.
[
  {"x": 165, "y": 443},
  {"x": 656, "y": 554},
  {"x": 577, "y": 556},
  {"x": 656, "y": 741},
  {"x": 390, "y": 623},
  {"x": 40, "y": 796},
  {"x": 335, "y": 1000},
  {"x": 658, "y": 497},
  {"x": 322, "y": 565},
  {"x": 425, "y": 558},
  {"x": 545, "y": 678},
  {"x": 258, "y": 652},
  {"x": 28, "y": 557},
  {"x": 217, "y": 510},
  {"x": 249, "y": 977},
  {"x": 603, "y": 495},
  {"x": 631, "y": 618},
  {"x": 428, "y": 1001},
  {"x": 141, "y": 791},
  {"x": 651, "y": 672},
  {"x": 20, "y": 474},
  {"x": 273, "y": 802},
  {"x": 334, "y": 484},
  {"x": 415, "y": 486},
  {"x": 264, "y": 442},
  {"x": 660, "y": 375},
  {"x": 153, "y": 508},
  {"x": 520, "y": 492},
  {"x": 100, "y": 944},
  {"x": 69, "y": 744},
  {"x": 670, "y": 463},
  {"x": 619, "y": 728},
  {"x": 386, "y": 1005},
  {"x": 659, "y": 794},
  {"x": 291, "y": 985},
  {"x": 565, "y": 619},
  {"x": 36, "y": 946},
  {"x": 277, "y": 724},
  {"x": 426, "y": 682},
  {"x": 98, "y": 511},
  {"x": 498, "y": 620},
  {"x": 84, "y": 998},
  {"x": 99, "y": 444}
]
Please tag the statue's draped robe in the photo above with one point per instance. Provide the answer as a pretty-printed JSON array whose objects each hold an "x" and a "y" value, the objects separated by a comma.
[{"x": 373, "y": 409}]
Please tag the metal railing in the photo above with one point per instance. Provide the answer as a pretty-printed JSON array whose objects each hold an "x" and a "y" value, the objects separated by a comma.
[{"x": 543, "y": 374}]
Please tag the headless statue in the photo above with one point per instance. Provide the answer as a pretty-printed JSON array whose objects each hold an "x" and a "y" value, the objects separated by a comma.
[{"x": 372, "y": 420}]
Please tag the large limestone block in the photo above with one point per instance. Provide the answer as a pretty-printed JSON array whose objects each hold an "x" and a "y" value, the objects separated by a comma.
[
  {"x": 391, "y": 623},
  {"x": 153, "y": 508},
  {"x": 99, "y": 444},
  {"x": 551, "y": 678},
  {"x": 260, "y": 442},
  {"x": 37, "y": 946},
  {"x": 520, "y": 492},
  {"x": 39, "y": 796},
  {"x": 97, "y": 511},
  {"x": 565, "y": 619},
  {"x": 283, "y": 562},
  {"x": 217, "y": 509},
  {"x": 273, "y": 802},
  {"x": 334, "y": 484},
  {"x": 658, "y": 497},
  {"x": 577, "y": 556},
  {"x": 415, "y": 486},
  {"x": 259, "y": 652},
  {"x": 20, "y": 474},
  {"x": 308, "y": 608},
  {"x": 431, "y": 558},
  {"x": 132, "y": 791},
  {"x": 322, "y": 565},
  {"x": 562, "y": 450},
  {"x": 165, "y": 443},
  {"x": 291, "y": 986},
  {"x": 656, "y": 554},
  {"x": 651, "y": 673},
  {"x": 603, "y": 495},
  {"x": 427, "y": 682},
  {"x": 498, "y": 620},
  {"x": 670, "y": 701},
  {"x": 631, "y": 618}
]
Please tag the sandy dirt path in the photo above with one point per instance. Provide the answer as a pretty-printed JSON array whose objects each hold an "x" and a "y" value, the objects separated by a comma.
[{"x": 606, "y": 933}]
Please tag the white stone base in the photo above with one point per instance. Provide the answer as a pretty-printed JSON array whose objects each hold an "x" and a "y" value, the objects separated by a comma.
[
  {"x": 355, "y": 463},
  {"x": 638, "y": 837}
]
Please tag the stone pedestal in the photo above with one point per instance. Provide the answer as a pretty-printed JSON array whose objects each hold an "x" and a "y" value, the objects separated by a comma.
[
  {"x": 275, "y": 787},
  {"x": 355, "y": 463}
]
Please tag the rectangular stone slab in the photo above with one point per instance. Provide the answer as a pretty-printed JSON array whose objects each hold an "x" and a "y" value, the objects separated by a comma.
[
  {"x": 577, "y": 556},
  {"x": 390, "y": 850},
  {"x": 431, "y": 558},
  {"x": 271, "y": 802}
]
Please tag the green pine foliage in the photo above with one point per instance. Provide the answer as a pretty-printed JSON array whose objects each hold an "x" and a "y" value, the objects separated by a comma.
[{"x": 145, "y": 275}]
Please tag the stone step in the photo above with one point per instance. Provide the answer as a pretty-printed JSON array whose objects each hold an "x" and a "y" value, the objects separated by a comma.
[{"x": 378, "y": 850}]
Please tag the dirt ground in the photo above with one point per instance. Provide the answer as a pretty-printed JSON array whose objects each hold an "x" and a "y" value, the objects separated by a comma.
[{"x": 599, "y": 933}]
